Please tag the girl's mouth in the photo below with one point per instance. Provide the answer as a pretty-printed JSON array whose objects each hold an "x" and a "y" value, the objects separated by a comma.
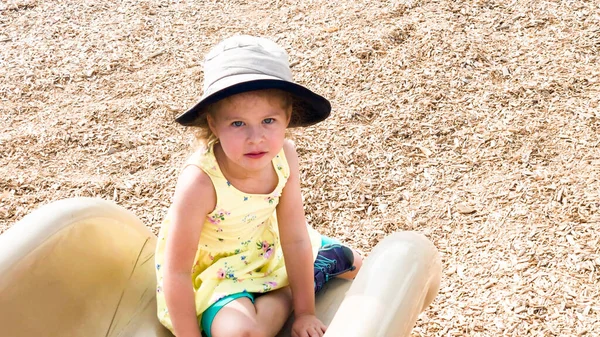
[{"x": 255, "y": 155}]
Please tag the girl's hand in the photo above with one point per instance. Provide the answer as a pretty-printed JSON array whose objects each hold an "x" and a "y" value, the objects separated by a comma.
[{"x": 308, "y": 326}]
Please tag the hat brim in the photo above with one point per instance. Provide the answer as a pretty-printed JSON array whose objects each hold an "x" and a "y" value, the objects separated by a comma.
[{"x": 308, "y": 108}]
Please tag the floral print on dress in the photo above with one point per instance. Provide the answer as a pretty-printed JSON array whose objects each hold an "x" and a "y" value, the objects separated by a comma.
[
  {"x": 268, "y": 286},
  {"x": 226, "y": 272},
  {"x": 218, "y": 216},
  {"x": 267, "y": 249},
  {"x": 271, "y": 198},
  {"x": 249, "y": 218}
]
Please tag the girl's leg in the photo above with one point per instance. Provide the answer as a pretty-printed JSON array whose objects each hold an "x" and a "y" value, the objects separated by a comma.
[
  {"x": 264, "y": 318},
  {"x": 274, "y": 308}
]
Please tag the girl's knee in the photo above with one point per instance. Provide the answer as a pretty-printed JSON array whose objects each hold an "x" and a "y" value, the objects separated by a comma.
[
  {"x": 237, "y": 318},
  {"x": 254, "y": 332},
  {"x": 248, "y": 330},
  {"x": 251, "y": 331},
  {"x": 358, "y": 260}
]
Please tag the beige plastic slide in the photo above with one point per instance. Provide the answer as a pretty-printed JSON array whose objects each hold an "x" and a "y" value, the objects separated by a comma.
[{"x": 85, "y": 267}]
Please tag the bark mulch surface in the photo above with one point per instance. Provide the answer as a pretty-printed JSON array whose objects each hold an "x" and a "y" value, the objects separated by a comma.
[{"x": 474, "y": 122}]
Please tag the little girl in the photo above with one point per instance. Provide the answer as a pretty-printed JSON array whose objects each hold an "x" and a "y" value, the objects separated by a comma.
[{"x": 235, "y": 254}]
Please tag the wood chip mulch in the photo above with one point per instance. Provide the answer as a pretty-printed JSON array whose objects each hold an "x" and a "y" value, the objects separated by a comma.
[{"x": 475, "y": 122}]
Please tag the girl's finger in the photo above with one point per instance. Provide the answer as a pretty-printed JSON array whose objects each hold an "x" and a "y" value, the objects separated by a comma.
[{"x": 314, "y": 332}]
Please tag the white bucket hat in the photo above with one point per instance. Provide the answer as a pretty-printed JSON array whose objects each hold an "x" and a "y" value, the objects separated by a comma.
[{"x": 246, "y": 63}]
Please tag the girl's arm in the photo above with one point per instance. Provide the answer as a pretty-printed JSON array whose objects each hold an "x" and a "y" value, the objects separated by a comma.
[
  {"x": 194, "y": 198},
  {"x": 295, "y": 241}
]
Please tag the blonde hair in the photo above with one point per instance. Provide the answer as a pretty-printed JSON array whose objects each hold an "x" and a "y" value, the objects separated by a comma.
[{"x": 204, "y": 136}]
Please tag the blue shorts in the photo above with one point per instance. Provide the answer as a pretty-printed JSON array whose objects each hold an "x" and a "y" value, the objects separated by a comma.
[{"x": 208, "y": 316}]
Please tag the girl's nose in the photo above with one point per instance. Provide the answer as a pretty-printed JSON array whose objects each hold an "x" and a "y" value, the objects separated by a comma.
[{"x": 255, "y": 134}]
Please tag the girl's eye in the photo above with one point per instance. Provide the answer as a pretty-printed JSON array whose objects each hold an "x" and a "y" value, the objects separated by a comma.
[
  {"x": 237, "y": 123},
  {"x": 269, "y": 120}
]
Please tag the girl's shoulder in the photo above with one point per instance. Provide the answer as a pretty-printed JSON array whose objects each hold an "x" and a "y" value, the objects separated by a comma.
[
  {"x": 195, "y": 184},
  {"x": 290, "y": 155},
  {"x": 289, "y": 147},
  {"x": 194, "y": 181},
  {"x": 282, "y": 160},
  {"x": 204, "y": 158}
]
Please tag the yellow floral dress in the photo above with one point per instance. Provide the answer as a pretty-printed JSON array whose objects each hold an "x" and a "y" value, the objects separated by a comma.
[{"x": 239, "y": 247}]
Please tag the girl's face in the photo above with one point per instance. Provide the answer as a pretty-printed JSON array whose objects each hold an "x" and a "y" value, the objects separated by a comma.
[{"x": 250, "y": 128}]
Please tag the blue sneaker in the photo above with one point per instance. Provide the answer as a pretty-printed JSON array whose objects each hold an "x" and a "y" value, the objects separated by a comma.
[{"x": 332, "y": 260}]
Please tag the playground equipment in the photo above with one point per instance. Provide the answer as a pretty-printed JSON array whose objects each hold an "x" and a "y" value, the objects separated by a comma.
[{"x": 85, "y": 267}]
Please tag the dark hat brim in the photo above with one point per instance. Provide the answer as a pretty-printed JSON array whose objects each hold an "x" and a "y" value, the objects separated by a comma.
[{"x": 309, "y": 108}]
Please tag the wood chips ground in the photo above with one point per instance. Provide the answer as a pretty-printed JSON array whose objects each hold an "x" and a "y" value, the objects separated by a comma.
[{"x": 475, "y": 122}]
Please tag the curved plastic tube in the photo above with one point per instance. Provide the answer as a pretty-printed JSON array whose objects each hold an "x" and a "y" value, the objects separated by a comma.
[
  {"x": 398, "y": 280},
  {"x": 78, "y": 267},
  {"x": 84, "y": 267}
]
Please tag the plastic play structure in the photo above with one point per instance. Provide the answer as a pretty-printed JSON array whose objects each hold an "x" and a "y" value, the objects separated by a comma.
[{"x": 85, "y": 267}]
